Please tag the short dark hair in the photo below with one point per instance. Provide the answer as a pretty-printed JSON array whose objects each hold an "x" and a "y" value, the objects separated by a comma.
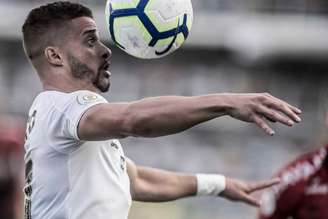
[{"x": 48, "y": 17}]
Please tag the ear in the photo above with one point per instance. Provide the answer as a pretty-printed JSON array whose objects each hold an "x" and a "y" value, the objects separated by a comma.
[{"x": 53, "y": 56}]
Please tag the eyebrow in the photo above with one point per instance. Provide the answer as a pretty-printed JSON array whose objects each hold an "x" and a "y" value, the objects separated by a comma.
[{"x": 91, "y": 31}]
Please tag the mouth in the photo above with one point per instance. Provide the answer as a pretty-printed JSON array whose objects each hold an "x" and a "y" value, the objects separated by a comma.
[{"x": 105, "y": 68}]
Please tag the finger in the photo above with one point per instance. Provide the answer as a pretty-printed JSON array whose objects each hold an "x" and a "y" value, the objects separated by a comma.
[
  {"x": 293, "y": 108},
  {"x": 249, "y": 200},
  {"x": 272, "y": 115},
  {"x": 263, "y": 125},
  {"x": 270, "y": 120},
  {"x": 262, "y": 185},
  {"x": 289, "y": 112},
  {"x": 282, "y": 106}
]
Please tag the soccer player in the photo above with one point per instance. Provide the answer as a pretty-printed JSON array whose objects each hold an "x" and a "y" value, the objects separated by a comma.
[
  {"x": 75, "y": 166},
  {"x": 303, "y": 191}
]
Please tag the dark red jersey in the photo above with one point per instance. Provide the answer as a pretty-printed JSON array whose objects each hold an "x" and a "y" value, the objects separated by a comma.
[
  {"x": 11, "y": 165},
  {"x": 303, "y": 191}
]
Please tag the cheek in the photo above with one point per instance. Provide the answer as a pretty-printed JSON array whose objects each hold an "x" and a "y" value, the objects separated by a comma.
[{"x": 89, "y": 58}]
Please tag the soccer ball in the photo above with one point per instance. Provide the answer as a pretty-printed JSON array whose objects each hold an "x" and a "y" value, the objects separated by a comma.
[{"x": 149, "y": 28}]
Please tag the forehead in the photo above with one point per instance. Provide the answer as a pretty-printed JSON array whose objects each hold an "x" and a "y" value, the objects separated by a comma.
[{"x": 81, "y": 25}]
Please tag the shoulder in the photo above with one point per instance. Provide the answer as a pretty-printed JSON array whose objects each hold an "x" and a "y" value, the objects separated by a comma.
[
  {"x": 301, "y": 168},
  {"x": 61, "y": 101},
  {"x": 87, "y": 97}
]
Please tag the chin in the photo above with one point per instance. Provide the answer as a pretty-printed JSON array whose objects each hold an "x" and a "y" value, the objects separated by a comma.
[{"x": 103, "y": 88}]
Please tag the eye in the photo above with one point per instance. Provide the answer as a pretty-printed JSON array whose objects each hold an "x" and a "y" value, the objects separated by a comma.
[{"x": 92, "y": 41}]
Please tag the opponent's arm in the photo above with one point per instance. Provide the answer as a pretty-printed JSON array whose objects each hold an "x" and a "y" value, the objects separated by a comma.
[
  {"x": 154, "y": 185},
  {"x": 159, "y": 116}
]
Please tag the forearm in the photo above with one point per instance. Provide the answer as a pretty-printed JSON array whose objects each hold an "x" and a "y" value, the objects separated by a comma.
[
  {"x": 155, "y": 185},
  {"x": 152, "y": 117}
]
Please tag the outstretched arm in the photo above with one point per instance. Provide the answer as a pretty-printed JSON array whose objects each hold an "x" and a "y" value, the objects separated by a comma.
[
  {"x": 159, "y": 116},
  {"x": 154, "y": 185}
]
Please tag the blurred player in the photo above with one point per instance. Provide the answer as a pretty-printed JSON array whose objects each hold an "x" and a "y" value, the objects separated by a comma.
[
  {"x": 303, "y": 191},
  {"x": 75, "y": 166},
  {"x": 11, "y": 165}
]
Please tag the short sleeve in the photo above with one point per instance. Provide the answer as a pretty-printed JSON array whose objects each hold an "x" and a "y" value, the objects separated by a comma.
[
  {"x": 281, "y": 201},
  {"x": 280, "y": 205},
  {"x": 79, "y": 103},
  {"x": 62, "y": 120},
  {"x": 269, "y": 209}
]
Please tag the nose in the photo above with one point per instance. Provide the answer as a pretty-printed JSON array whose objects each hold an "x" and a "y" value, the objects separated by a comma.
[{"x": 106, "y": 53}]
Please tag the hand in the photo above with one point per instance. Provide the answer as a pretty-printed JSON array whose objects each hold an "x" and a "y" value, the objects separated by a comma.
[
  {"x": 240, "y": 191},
  {"x": 257, "y": 108}
]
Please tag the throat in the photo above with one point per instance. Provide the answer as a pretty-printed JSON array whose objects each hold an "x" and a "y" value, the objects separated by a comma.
[{"x": 68, "y": 86}]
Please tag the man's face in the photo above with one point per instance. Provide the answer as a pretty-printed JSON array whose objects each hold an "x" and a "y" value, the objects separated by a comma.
[{"x": 87, "y": 58}]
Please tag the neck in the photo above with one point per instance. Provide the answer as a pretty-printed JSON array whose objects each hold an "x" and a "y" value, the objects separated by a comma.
[
  {"x": 66, "y": 84},
  {"x": 67, "y": 88}
]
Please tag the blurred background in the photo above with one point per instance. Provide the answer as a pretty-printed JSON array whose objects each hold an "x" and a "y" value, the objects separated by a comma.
[{"x": 274, "y": 46}]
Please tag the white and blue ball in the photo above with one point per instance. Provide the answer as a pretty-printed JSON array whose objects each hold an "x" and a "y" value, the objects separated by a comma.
[{"x": 149, "y": 28}]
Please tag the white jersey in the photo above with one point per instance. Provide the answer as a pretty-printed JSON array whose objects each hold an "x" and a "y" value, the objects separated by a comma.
[{"x": 67, "y": 178}]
